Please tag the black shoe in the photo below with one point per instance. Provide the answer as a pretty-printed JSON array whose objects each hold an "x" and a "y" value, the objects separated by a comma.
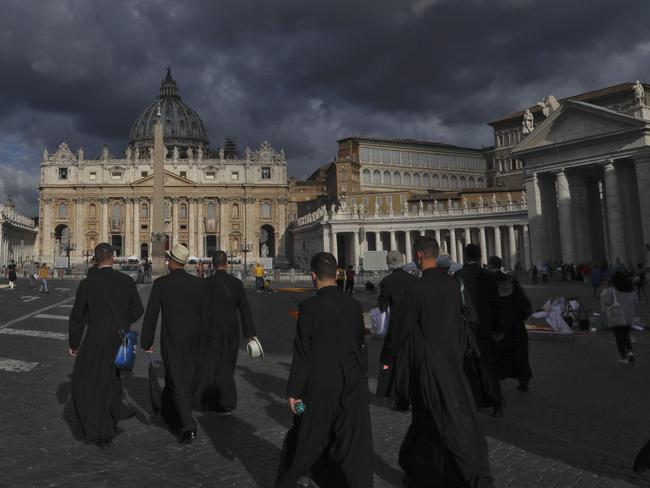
[
  {"x": 104, "y": 444},
  {"x": 188, "y": 436}
]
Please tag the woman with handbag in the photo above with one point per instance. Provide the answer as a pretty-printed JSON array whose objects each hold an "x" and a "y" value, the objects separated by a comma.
[{"x": 620, "y": 301}]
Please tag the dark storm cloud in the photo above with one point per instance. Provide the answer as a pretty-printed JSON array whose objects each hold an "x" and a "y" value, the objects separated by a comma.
[{"x": 300, "y": 73}]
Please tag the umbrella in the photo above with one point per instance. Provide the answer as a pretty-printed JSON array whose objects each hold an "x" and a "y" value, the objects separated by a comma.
[{"x": 155, "y": 392}]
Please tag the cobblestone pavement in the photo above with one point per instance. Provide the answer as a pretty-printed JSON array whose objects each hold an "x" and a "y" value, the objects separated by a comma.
[{"x": 580, "y": 425}]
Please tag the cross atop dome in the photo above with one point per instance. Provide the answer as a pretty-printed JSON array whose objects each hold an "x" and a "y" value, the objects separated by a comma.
[{"x": 168, "y": 88}]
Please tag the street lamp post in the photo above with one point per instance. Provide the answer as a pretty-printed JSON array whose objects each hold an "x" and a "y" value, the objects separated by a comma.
[
  {"x": 245, "y": 248},
  {"x": 70, "y": 247},
  {"x": 231, "y": 256}
]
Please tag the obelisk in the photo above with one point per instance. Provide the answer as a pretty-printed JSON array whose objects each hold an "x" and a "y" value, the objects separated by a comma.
[{"x": 158, "y": 214}]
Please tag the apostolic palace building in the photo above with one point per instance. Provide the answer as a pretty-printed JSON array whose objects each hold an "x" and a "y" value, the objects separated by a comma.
[{"x": 566, "y": 181}]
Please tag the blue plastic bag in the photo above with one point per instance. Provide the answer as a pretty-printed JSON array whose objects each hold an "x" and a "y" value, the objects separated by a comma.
[{"x": 125, "y": 357}]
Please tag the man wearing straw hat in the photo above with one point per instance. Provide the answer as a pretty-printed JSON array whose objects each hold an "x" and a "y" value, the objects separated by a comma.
[{"x": 178, "y": 294}]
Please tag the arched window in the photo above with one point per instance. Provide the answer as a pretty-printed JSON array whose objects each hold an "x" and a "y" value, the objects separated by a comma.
[
  {"x": 463, "y": 182},
  {"x": 117, "y": 211},
  {"x": 416, "y": 179},
  {"x": 168, "y": 210},
  {"x": 454, "y": 181},
  {"x": 183, "y": 210},
  {"x": 144, "y": 211},
  {"x": 62, "y": 211},
  {"x": 426, "y": 181},
  {"x": 366, "y": 176},
  {"x": 387, "y": 178},
  {"x": 376, "y": 177},
  {"x": 397, "y": 178},
  {"x": 92, "y": 211},
  {"x": 234, "y": 213},
  {"x": 266, "y": 210},
  {"x": 210, "y": 210},
  {"x": 407, "y": 178},
  {"x": 444, "y": 181},
  {"x": 435, "y": 181},
  {"x": 472, "y": 182},
  {"x": 480, "y": 182}
]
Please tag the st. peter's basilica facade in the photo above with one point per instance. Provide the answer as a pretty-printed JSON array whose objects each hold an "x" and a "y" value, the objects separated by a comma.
[{"x": 213, "y": 199}]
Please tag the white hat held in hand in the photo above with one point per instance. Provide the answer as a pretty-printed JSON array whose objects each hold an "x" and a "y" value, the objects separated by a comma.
[{"x": 254, "y": 348}]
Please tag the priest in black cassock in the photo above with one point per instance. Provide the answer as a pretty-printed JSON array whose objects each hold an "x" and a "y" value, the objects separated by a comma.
[
  {"x": 328, "y": 376},
  {"x": 106, "y": 302},
  {"x": 444, "y": 445},
  {"x": 391, "y": 293},
  {"x": 178, "y": 295},
  {"x": 225, "y": 305}
]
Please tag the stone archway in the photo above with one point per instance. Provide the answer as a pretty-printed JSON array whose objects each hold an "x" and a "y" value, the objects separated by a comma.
[
  {"x": 267, "y": 241},
  {"x": 62, "y": 240}
]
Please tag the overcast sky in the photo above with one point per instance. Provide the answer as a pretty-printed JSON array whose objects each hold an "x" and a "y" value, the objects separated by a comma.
[{"x": 298, "y": 73}]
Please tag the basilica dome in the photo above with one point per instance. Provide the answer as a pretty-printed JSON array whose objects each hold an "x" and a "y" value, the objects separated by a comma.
[{"x": 183, "y": 128}]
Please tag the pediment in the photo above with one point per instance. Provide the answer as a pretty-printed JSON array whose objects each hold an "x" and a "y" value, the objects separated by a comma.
[
  {"x": 575, "y": 122},
  {"x": 171, "y": 179}
]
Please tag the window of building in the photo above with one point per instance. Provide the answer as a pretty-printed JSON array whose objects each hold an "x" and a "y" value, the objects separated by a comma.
[
  {"x": 416, "y": 179},
  {"x": 144, "y": 226},
  {"x": 376, "y": 177},
  {"x": 365, "y": 154},
  {"x": 366, "y": 176},
  {"x": 183, "y": 174},
  {"x": 92, "y": 211},
  {"x": 266, "y": 210},
  {"x": 117, "y": 212},
  {"x": 394, "y": 157},
  {"x": 397, "y": 178},
  {"x": 343, "y": 174},
  {"x": 266, "y": 173},
  {"x": 385, "y": 156},
  {"x": 353, "y": 200},
  {"x": 63, "y": 173},
  {"x": 168, "y": 210},
  {"x": 234, "y": 213},
  {"x": 407, "y": 178},
  {"x": 234, "y": 175},
  {"x": 444, "y": 181},
  {"x": 435, "y": 181},
  {"x": 144, "y": 174},
  {"x": 183, "y": 227},
  {"x": 480, "y": 182},
  {"x": 144, "y": 211},
  {"x": 210, "y": 210},
  {"x": 365, "y": 202},
  {"x": 406, "y": 158},
  {"x": 471, "y": 182},
  {"x": 463, "y": 182},
  {"x": 92, "y": 175},
  {"x": 183, "y": 211},
  {"x": 210, "y": 175},
  {"x": 116, "y": 175},
  {"x": 374, "y": 155},
  {"x": 454, "y": 181},
  {"x": 426, "y": 181},
  {"x": 387, "y": 178},
  {"x": 378, "y": 200},
  {"x": 62, "y": 211}
]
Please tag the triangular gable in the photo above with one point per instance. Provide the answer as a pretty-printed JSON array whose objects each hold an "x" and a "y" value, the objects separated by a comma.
[
  {"x": 577, "y": 121},
  {"x": 171, "y": 179}
]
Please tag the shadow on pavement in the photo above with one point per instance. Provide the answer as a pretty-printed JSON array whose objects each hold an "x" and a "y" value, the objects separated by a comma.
[
  {"x": 265, "y": 382},
  {"x": 234, "y": 438},
  {"x": 64, "y": 397}
]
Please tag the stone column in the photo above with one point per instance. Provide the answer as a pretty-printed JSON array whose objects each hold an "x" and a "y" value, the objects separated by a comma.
[
  {"x": 497, "y": 242},
  {"x": 378, "y": 244},
  {"x": 79, "y": 239},
  {"x": 615, "y": 224},
  {"x": 393, "y": 241},
  {"x": 128, "y": 230},
  {"x": 452, "y": 245},
  {"x": 642, "y": 167},
  {"x": 104, "y": 221},
  {"x": 174, "y": 222},
  {"x": 355, "y": 250},
  {"x": 191, "y": 226},
  {"x": 481, "y": 239},
  {"x": 536, "y": 219},
  {"x": 437, "y": 232},
  {"x": 200, "y": 228},
  {"x": 512, "y": 246},
  {"x": 566, "y": 220},
  {"x": 526, "y": 244},
  {"x": 468, "y": 235},
  {"x": 407, "y": 243},
  {"x": 335, "y": 246},
  {"x": 326, "y": 239},
  {"x": 460, "y": 253},
  {"x": 136, "y": 227}
]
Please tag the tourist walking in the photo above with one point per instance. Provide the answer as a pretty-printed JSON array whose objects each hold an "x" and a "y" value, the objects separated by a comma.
[
  {"x": 620, "y": 301},
  {"x": 328, "y": 377},
  {"x": 514, "y": 308},
  {"x": 259, "y": 277},
  {"x": 391, "y": 292},
  {"x": 482, "y": 288},
  {"x": 43, "y": 275},
  {"x": 106, "y": 302},
  {"x": 340, "y": 278},
  {"x": 444, "y": 445},
  {"x": 350, "y": 276},
  {"x": 178, "y": 295},
  {"x": 147, "y": 271},
  {"x": 225, "y": 305},
  {"x": 11, "y": 274}
]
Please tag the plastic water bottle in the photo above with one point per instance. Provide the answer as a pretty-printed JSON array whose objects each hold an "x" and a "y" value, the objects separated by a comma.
[{"x": 299, "y": 408}]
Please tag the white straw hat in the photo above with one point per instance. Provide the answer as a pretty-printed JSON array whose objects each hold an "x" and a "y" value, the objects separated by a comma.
[
  {"x": 254, "y": 348},
  {"x": 179, "y": 253}
]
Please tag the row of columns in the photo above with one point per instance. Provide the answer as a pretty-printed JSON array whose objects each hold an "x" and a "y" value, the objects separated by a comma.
[
  {"x": 451, "y": 242},
  {"x": 16, "y": 244}
]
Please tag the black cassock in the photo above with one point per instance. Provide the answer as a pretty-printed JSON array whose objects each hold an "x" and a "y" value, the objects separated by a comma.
[
  {"x": 179, "y": 296},
  {"x": 328, "y": 375},
  {"x": 225, "y": 303},
  {"x": 514, "y": 309},
  {"x": 444, "y": 445},
  {"x": 392, "y": 289},
  {"x": 96, "y": 384}
]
